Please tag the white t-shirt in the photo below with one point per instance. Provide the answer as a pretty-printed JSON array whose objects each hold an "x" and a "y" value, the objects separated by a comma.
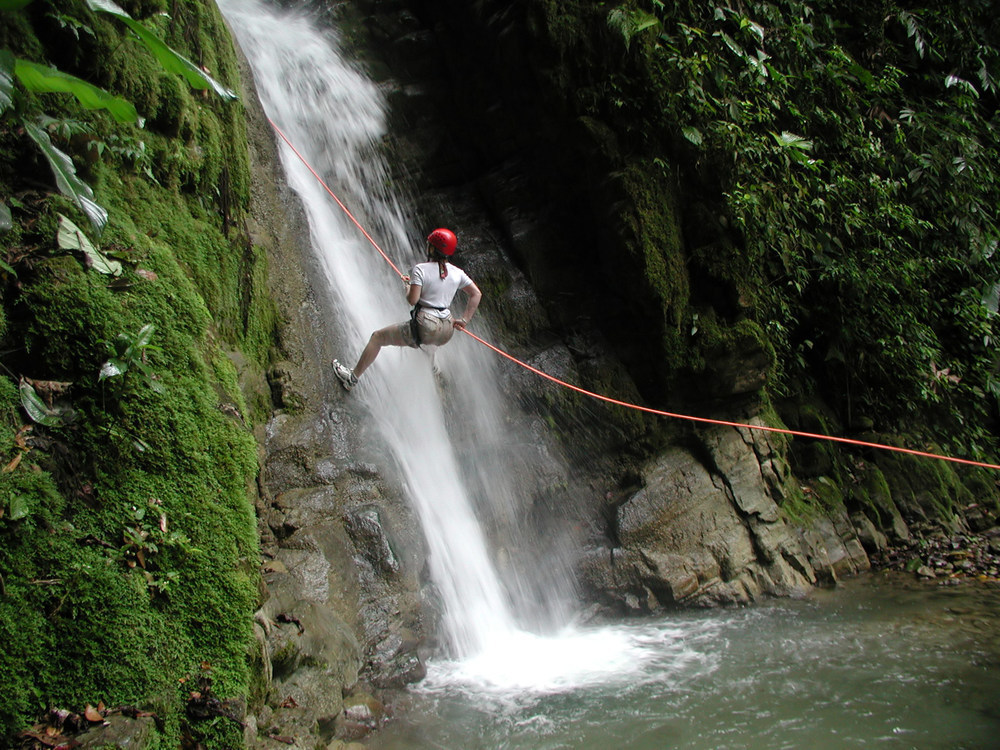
[{"x": 438, "y": 292}]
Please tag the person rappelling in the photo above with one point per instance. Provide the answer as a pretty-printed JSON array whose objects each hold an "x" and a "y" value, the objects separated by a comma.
[{"x": 433, "y": 285}]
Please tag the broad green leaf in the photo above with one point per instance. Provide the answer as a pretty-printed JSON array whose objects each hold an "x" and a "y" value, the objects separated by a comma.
[
  {"x": 991, "y": 298},
  {"x": 145, "y": 335},
  {"x": 112, "y": 369},
  {"x": 71, "y": 237},
  {"x": 913, "y": 31},
  {"x": 862, "y": 74},
  {"x": 693, "y": 135},
  {"x": 791, "y": 140},
  {"x": 44, "y": 79},
  {"x": 13, "y": 4},
  {"x": 6, "y": 224},
  {"x": 989, "y": 84},
  {"x": 172, "y": 61},
  {"x": 37, "y": 410},
  {"x": 731, "y": 43},
  {"x": 643, "y": 21},
  {"x": 954, "y": 80},
  {"x": 6, "y": 80},
  {"x": 66, "y": 179},
  {"x": 18, "y": 507}
]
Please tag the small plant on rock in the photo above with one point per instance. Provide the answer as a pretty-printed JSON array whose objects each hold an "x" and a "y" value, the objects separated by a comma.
[{"x": 130, "y": 354}]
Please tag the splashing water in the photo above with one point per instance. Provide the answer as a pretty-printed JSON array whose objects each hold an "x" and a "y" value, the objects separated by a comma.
[{"x": 868, "y": 664}]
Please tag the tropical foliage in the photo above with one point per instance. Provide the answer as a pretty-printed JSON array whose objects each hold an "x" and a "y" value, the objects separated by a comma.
[{"x": 856, "y": 146}]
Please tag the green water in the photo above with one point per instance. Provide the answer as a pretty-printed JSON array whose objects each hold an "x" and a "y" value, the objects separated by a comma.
[{"x": 871, "y": 663}]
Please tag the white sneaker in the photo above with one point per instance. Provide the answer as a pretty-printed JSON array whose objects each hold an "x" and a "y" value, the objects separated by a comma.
[{"x": 345, "y": 376}]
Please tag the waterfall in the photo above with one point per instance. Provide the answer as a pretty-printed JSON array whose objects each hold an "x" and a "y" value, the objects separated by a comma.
[
  {"x": 511, "y": 633},
  {"x": 335, "y": 117}
]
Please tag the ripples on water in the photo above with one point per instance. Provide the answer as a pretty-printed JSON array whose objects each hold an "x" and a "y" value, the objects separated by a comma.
[{"x": 863, "y": 665}]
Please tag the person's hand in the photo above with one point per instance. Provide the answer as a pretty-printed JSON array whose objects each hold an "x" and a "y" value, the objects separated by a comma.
[
  {"x": 460, "y": 323},
  {"x": 406, "y": 280}
]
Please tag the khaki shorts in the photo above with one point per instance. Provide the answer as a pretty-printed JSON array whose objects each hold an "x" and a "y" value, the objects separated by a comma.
[{"x": 434, "y": 331}]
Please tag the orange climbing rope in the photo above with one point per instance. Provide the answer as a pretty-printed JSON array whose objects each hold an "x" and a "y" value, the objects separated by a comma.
[
  {"x": 334, "y": 196},
  {"x": 707, "y": 420},
  {"x": 626, "y": 404}
]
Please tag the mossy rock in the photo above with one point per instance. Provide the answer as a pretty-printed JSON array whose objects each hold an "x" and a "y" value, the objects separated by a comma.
[
  {"x": 810, "y": 457},
  {"x": 925, "y": 489},
  {"x": 872, "y": 495}
]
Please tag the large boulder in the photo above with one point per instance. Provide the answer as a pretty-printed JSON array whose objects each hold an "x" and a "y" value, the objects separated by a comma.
[{"x": 703, "y": 529}]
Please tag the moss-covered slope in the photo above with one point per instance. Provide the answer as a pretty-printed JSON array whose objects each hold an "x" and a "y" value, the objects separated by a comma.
[{"x": 128, "y": 547}]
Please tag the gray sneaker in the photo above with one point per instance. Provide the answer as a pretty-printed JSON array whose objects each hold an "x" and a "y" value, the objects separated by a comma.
[{"x": 345, "y": 376}]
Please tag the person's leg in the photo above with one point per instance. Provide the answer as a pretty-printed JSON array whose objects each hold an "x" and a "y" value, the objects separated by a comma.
[{"x": 388, "y": 336}]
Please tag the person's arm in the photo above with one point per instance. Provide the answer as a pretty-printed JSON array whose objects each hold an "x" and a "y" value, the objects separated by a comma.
[
  {"x": 471, "y": 304},
  {"x": 416, "y": 281},
  {"x": 413, "y": 294}
]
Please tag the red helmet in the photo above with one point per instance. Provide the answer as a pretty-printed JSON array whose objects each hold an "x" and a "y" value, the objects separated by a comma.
[{"x": 444, "y": 240}]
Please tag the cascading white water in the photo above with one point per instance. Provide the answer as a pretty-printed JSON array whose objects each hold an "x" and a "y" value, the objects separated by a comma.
[{"x": 335, "y": 117}]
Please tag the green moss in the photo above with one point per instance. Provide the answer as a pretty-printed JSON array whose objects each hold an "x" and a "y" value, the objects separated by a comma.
[
  {"x": 171, "y": 104},
  {"x": 132, "y": 71},
  {"x": 69, "y": 313},
  {"x": 828, "y": 493},
  {"x": 88, "y": 613},
  {"x": 655, "y": 246},
  {"x": 657, "y": 239},
  {"x": 743, "y": 335},
  {"x": 258, "y": 312},
  {"x": 981, "y": 484},
  {"x": 796, "y": 506},
  {"x": 811, "y": 458},
  {"x": 925, "y": 485},
  {"x": 17, "y": 35},
  {"x": 873, "y": 495}
]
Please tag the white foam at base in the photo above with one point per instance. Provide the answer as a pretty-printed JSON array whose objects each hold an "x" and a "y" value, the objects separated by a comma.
[{"x": 520, "y": 663}]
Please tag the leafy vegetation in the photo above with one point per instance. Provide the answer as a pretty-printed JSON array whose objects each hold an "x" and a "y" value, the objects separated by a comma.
[
  {"x": 855, "y": 146},
  {"x": 128, "y": 549}
]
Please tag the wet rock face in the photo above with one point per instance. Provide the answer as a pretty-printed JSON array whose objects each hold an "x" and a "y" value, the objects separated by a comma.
[
  {"x": 701, "y": 531},
  {"x": 341, "y": 604},
  {"x": 706, "y": 529}
]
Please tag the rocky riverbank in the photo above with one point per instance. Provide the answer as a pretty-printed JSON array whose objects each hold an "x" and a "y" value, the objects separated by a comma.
[{"x": 947, "y": 558}]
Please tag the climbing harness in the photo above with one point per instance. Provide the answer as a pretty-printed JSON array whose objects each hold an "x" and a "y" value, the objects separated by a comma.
[
  {"x": 626, "y": 404},
  {"x": 415, "y": 324}
]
